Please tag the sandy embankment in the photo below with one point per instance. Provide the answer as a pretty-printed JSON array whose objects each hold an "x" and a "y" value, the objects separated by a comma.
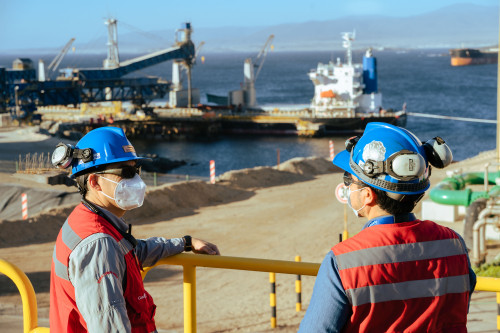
[{"x": 272, "y": 213}]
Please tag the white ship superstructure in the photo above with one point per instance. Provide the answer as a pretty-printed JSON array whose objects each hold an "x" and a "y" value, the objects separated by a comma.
[{"x": 344, "y": 89}]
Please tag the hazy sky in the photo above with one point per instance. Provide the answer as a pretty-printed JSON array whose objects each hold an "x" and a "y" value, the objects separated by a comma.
[{"x": 51, "y": 23}]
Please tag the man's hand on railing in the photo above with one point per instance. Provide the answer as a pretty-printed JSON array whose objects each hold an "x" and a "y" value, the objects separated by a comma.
[{"x": 203, "y": 247}]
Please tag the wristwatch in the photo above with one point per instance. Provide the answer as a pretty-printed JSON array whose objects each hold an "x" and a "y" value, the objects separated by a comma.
[{"x": 188, "y": 246}]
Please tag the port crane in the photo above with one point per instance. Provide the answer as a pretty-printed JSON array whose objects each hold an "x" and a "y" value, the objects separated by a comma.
[
  {"x": 113, "y": 68},
  {"x": 178, "y": 96},
  {"x": 21, "y": 89}
]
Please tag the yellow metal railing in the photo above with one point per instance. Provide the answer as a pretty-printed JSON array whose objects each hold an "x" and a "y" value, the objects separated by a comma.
[
  {"x": 490, "y": 284},
  {"x": 189, "y": 263},
  {"x": 28, "y": 297}
]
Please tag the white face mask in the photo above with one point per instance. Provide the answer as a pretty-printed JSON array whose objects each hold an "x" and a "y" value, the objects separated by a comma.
[
  {"x": 129, "y": 193},
  {"x": 356, "y": 211}
]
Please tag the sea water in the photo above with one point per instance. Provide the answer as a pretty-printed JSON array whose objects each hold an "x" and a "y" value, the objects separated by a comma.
[{"x": 423, "y": 79}]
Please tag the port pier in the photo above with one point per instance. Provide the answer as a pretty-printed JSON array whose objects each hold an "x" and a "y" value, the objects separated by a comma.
[{"x": 203, "y": 122}]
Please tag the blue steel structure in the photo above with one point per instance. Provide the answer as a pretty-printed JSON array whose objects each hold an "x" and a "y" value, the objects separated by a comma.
[
  {"x": 185, "y": 51},
  {"x": 370, "y": 74},
  {"x": 20, "y": 89}
]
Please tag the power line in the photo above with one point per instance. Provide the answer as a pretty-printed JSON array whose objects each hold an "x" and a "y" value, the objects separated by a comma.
[
  {"x": 474, "y": 120},
  {"x": 144, "y": 33}
]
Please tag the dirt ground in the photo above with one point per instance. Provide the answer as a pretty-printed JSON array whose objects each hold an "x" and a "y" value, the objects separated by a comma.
[{"x": 270, "y": 213}]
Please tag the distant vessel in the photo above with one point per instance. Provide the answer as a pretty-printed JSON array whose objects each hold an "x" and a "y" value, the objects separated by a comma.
[
  {"x": 465, "y": 57},
  {"x": 346, "y": 95}
]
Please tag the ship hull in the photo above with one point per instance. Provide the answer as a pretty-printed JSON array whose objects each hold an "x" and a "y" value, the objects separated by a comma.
[
  {"x": 458, "y": 61},
  {"x": 306, "y": 126},
  {"x": 358, "y": 124},
  {"x": 466, "y": 57}
]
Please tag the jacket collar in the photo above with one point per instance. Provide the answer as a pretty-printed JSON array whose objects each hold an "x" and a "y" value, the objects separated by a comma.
[{"x": 390, "y": 219}]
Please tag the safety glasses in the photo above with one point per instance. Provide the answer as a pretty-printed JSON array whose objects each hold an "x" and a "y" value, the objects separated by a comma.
[
  {"x": 126, "y": 171},
  {"x": 348, "y": 180}
]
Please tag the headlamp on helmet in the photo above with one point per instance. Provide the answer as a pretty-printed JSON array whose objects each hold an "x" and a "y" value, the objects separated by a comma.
[{"x": 63, "y": 155}]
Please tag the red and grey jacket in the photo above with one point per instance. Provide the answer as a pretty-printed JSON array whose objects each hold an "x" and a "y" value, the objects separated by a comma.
[
  {"x": 65, "y": 315},
  {"x": 405, "y": 277}
]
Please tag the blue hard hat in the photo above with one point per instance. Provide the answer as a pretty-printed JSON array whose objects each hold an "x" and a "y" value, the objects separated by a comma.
[
  {"x": 388, "y": 158},
  {"x": 108, "y": 145}
]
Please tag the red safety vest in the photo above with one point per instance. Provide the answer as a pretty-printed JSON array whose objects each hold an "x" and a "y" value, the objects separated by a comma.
[
  {"x": 405, "y": 277},
  {"x": 64, "y": 314}
]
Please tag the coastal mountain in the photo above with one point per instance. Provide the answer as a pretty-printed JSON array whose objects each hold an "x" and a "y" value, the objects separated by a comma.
[
  {"x": 449, "y": 27},
  {"x": 453, "y": 26},
  {"x": 459, "y": 25}
]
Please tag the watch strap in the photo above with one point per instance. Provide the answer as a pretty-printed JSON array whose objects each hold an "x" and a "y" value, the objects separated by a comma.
[{"x": 188, "y": 245}]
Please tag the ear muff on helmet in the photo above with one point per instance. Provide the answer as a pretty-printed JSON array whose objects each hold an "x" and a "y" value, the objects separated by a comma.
[
  {"x": 64, "y": 154},
  {"x": 438, "y": 153},
  {"x": 403, "y": 165}
]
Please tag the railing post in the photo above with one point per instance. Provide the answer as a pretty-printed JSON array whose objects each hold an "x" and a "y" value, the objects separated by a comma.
[
  {"x": 189, "y": 299},
  {"x": 28, "y": 297},
  {"x": 272, "y": 299},
  {"x": 298, "y": 289}
]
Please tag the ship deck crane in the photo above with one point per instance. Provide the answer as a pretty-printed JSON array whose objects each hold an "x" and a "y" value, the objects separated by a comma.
[
  {"x": 58, "y": 58},
  {"x": 262, "y": 54},
  {"x": 250, "y": 76}
]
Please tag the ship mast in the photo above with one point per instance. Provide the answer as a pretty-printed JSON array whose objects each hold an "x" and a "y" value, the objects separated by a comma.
[
  {"x": 348, "y": 37},
  {"x": 112, "y": 61}
]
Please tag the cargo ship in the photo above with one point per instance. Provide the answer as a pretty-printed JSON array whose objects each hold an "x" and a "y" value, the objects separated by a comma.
[
  {"x": 346, "y": 98},
  {"x": 466, "y": 56},
  {"x": 346, "y": 95}
]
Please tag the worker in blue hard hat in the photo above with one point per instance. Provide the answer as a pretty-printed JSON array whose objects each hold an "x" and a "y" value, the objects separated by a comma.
[
  {"x": 399, "y": 274},
  {"x": 96, "y": 283}
]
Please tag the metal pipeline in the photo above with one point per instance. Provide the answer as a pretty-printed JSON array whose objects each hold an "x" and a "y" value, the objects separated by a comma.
[
  {"x": 452, "y": 191},
  {"x": 479, "y": 232}
]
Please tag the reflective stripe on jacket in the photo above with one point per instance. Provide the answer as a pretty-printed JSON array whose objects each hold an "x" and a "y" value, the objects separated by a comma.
[
  {"x": 64, "y": 313},
  {"x": 405, "y": 277}
]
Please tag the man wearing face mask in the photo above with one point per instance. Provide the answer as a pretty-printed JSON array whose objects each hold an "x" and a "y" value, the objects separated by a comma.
[
  {"x": 96, "y": 285},
  {"x": 399, "y": 274}
]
